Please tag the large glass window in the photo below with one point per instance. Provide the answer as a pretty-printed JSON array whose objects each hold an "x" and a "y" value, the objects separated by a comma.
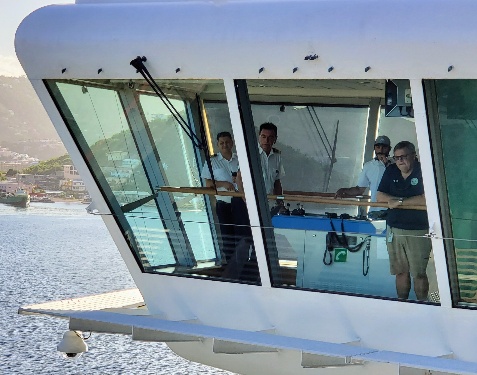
[
  {"x": 325, "y": 133},
  {"x": 453, "y": 123},
  {"x": 151, "y": 158},
  {"x": 323, "y": 144}
]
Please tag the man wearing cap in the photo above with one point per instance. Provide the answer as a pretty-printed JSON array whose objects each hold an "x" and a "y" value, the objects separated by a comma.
[{"x": 371, "y": 175}]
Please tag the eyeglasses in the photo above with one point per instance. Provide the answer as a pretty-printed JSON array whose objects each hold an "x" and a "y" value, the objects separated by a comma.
[{"x": 401, "y": 157}]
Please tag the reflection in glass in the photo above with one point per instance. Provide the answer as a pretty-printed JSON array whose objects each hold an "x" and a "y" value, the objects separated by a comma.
[
  {"x": 326, "y": 258},
  {"x": 97, "y": 120},
  {"x": 319, "y": 144},
  {"x": 457, "y": 127},
  {"x": 98, "y": 114},
  {"x": 398, "y": 129},
  {"x": 136, "y": 150},
  {"x": 326, "y": 131}
]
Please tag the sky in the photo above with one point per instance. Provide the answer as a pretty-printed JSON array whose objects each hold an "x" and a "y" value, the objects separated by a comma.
[{"x": 12, "y": 12}]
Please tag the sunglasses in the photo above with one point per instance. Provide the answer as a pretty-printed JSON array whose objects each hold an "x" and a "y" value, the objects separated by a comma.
[{"x": 400, "y": 157}]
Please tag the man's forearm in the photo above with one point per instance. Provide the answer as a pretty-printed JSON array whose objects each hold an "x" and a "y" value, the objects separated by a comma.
[
  {"x": 396, "y": 201},
  {"x": 350, "y": 192},
  {"x": 218, "y": 184},
  {"x": 383, "y": 197},
  {"x": 417, "y": 200}
]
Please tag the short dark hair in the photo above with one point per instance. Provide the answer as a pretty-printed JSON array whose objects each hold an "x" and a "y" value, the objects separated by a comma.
[
  {"x": 268, "y": 126},
  {"x": 405, "y": 144},
  {"x": 224, "y": 134}
]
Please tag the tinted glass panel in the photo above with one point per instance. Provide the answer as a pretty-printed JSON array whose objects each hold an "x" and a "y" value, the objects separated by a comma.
[
  {"x": 453, "y": 122},
  {"x": 325, "y": 132},
  {"x": 149, "y": 157}
]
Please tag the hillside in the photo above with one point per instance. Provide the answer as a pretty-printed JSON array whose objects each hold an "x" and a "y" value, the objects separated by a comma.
[
  {"x": 24, "y": 124},
  {"x": 50, "y": 166}
]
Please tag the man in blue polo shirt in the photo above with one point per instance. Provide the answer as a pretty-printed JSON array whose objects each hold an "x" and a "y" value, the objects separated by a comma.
[{"x": 408, "y": 247}]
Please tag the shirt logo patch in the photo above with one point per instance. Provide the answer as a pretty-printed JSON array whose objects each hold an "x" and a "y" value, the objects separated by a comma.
[{"x": 414, "y": 181}]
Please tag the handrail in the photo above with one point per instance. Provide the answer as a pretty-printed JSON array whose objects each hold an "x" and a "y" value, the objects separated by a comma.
[
  {"x": 199, "y": 190},
  {"x": 317, "y": 194},
  {"x": 323, "y": 198}
]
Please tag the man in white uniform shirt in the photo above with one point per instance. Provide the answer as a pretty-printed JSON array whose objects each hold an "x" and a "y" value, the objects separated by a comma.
[
  {"x": 270, "y": 158},
  {"x": 272, "y": 170},
  {"x": 371, "y": 175},
  {"x": 224, "y": 166}
]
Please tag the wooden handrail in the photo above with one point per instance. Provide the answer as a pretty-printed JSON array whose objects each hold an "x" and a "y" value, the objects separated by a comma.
[
  {"x": 317, "y": 194},
  {"x": 326, "y": 198},
  {"x": 200, "y": 190},
  {"x": 340, "y": 201}
]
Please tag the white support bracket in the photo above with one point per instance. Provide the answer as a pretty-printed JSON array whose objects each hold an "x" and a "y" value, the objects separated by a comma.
[
  {"x": 230, "y": 347},
  {"x": 310, "y": 360}
]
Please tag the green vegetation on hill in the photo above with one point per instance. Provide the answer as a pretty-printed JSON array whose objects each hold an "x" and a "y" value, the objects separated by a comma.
[{"x": 49, "y": 166}]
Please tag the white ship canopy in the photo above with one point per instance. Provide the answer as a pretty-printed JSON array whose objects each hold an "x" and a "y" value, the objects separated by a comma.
[{"x": 237, "y": 38}]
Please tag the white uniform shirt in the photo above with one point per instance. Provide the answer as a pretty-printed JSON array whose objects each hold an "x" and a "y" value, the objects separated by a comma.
[
  {"x": 272, "y": 168},
  {"x": 370, "y": 177},
  {"x": 223, "y": 169}
]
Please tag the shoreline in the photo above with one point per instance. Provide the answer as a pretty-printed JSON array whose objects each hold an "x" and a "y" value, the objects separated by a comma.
[
  {"x": 66, "y": 200},
  {"x": 62, "y": 200}
]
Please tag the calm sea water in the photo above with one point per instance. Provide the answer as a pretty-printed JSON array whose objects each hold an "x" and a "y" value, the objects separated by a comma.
[{"x": 56, "y": 251}]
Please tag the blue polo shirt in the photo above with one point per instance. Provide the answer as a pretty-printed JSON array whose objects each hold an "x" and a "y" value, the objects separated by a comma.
[{"x": 394, "y": 184}]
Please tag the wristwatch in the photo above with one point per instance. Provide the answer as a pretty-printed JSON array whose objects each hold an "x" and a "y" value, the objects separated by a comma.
[{"x": 400, "y": 200}]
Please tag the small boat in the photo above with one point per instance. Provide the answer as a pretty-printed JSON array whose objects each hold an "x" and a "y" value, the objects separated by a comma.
[
  {"x": 87, "y": 200},
  {"x": 19, "y": 198},
  {"x": 38, "y": 199},
  {"x": 46, "y": 200}
]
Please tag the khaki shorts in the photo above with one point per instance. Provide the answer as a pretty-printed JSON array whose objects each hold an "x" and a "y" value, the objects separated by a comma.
[{"x": 409, "y": 251}]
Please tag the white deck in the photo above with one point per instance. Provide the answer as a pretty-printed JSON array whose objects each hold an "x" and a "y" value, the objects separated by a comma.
[
  {"x": 128, "y": 298},
  {"x": 124, "y": 312}
]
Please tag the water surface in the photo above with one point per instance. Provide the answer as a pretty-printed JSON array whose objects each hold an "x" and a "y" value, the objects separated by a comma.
[{"x": 55, "y": 251}]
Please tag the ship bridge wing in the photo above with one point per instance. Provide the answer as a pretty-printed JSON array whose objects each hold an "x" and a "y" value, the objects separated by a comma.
[
  {"x": 130, "y": 299},
  {"x": 124, "y": 312}
]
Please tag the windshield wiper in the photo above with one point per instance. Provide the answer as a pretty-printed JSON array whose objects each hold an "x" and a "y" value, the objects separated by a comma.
[{"x": 138, "y": 63}]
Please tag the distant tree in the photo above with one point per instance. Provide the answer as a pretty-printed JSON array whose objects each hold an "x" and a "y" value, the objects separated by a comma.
[
  {"x": 50, "y": 166},
  {"x": 11, "y": 173}
]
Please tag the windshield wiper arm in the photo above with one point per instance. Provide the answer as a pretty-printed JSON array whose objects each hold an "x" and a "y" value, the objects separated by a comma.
[{"x": 138, "y": 63}]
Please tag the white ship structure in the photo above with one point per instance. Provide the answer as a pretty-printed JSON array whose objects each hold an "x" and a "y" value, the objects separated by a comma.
[{"x": 139, "y": 90}]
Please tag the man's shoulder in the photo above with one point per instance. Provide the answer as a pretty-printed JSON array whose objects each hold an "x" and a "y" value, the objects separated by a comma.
[
  {"x": 376, "y": 162},
  {"x": 214, "y": 159},
  {"x": 391, "y": 170},
  {"x": 417, "y": 171},
  {"x": 276, "y": 150},
  {"x": 371, "y": 165}
]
